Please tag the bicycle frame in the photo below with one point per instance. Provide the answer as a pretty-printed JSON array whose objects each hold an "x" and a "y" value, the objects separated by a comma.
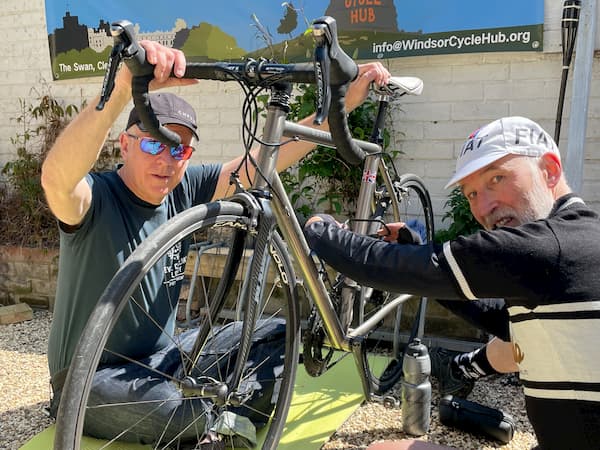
[
  {"x": 250, "y": 216},
  {"x": 267, "y": 180}
]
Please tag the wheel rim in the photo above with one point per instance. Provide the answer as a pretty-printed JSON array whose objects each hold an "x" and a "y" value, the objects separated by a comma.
[{"x": 192, "y": 409}]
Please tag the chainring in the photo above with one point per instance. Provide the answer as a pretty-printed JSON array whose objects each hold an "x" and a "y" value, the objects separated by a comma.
[{"x": 312, "y": 352}]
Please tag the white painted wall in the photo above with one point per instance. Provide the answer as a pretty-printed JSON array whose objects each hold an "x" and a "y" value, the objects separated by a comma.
[{"x": 462, "y": 92}]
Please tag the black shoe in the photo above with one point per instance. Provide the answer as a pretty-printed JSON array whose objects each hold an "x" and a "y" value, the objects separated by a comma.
[{"x": 451, "y": 382}]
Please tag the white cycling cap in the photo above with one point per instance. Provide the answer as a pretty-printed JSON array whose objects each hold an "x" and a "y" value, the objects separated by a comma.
[{"x": 507, "y": 136}]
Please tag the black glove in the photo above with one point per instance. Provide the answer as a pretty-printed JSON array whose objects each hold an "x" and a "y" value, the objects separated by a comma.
[{"x": 408, "y": 236}]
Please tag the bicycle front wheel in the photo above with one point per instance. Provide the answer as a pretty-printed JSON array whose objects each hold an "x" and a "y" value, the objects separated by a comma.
[
  {"x": 179, "y": 396},
  {"x": 405, "y": 200}
]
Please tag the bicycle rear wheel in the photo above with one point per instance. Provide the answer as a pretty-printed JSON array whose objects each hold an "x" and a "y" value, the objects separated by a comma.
[
  {"x": 382, "y": 352},
  {"x": 190, "y": 390}
]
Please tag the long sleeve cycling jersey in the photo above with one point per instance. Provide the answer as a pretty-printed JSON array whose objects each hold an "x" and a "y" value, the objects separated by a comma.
[{"x": 545, "y": 270}]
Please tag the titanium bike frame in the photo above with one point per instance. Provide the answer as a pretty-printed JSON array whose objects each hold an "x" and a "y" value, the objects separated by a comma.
[{"x": 267, "y": 180}]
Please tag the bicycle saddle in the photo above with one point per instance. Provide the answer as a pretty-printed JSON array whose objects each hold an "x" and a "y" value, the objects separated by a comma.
[{"x": 401, "y": 86}]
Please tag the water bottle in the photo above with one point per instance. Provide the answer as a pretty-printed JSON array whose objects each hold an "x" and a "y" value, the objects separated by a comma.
[{"x": 416, "y": 389}]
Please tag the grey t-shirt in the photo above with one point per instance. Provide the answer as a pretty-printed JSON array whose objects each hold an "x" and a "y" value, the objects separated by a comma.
[{"x": 116, "y": 223}]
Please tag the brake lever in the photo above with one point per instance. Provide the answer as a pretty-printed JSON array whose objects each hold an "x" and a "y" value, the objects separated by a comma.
[
  {"x": 127, "y": 49},
  {"x": 322, "y": 71},
  {"x": 133, "y": 53},
  {"x": 108, "y": 84},
  {"x": 341, "y": 71}
]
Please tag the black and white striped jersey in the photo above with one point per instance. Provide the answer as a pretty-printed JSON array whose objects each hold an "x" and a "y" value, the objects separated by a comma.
[{"x": 548, "y": 273}]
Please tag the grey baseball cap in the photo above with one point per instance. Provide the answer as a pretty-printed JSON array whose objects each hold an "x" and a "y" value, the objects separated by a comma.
[
  {"x": 169, "y": 108},
  {"x": 507, "y": 136}
]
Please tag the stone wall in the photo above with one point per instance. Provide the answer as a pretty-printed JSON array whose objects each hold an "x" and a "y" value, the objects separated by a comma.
[{"x": 28, "y": 276}]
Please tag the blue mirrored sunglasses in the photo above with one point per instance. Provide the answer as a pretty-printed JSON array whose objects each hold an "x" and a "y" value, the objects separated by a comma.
[{"x": 154, "y": 147}]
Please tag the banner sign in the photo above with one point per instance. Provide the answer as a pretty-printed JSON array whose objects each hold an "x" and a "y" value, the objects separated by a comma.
[{"x": 80, "y": 41}]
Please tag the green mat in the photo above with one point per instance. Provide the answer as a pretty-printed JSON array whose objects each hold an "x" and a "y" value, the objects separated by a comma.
[{"x": 319, "y": 406}]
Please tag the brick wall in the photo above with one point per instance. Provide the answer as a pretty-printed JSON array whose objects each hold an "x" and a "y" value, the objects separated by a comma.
[{"x": 461, "y": 93}]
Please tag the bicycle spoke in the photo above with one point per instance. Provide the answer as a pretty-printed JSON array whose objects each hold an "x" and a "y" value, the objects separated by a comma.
[{"x": 209, "y": 390}]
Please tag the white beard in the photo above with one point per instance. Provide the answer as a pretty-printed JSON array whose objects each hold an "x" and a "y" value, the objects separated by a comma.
[{"x": 538, "y": 202}]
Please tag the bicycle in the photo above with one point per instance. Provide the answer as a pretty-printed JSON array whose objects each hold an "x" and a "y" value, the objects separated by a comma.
[{"x": 244, "y": 266}]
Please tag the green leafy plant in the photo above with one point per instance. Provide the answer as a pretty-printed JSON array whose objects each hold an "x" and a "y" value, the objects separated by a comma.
[
  {"x": 459, "y": 213},
  {"x": 323, "y": 181},
  {"x": 25, "y": 218}
]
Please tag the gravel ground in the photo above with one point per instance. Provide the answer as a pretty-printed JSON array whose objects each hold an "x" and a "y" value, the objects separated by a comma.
[
  {"x": 24, "y": 385},
  {"x": 372, "y": 422},
  {"x": 25, "y": 392}
]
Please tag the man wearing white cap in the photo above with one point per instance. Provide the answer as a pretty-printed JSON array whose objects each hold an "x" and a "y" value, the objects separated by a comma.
[
  {"x": 539, "y": 252},
  {"x": 509, "y": 135}
]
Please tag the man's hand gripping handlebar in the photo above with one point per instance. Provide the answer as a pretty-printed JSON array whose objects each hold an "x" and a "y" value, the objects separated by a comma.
[{"x": 332, "y": 70}]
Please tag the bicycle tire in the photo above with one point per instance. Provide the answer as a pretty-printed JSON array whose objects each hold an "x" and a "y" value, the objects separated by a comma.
[
  {"x": 382, "y": 353},
  {"x": 229, "y": 220}
]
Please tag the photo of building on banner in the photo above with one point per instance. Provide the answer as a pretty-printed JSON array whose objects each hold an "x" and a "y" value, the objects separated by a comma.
[{"x": 80, "y": 41}]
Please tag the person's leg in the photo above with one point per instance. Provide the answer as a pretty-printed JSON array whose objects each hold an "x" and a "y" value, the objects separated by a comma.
[
  {"x": 493, "y": 358},
  {"x": 147, "y": 401},
  {"x": 457, "y": 372},
  {"x": 501, "y": 356},
  {"x": 152, "y": 405}
]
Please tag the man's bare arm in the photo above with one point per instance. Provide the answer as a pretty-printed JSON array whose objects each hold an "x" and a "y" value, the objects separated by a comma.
[{"x": 78, "y": 146}]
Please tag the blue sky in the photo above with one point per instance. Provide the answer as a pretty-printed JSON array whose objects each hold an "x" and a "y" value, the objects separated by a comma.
[
  {"x": 233, "y": 16},
  {"x": 453, "y": 15}
]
